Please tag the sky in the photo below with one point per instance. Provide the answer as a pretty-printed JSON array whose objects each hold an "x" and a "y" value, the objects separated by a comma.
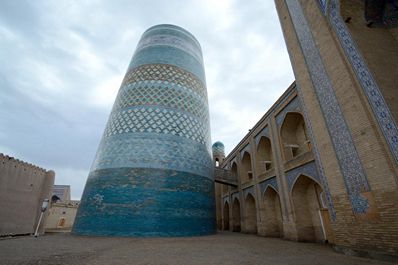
[{"x": 62, "y": 63}]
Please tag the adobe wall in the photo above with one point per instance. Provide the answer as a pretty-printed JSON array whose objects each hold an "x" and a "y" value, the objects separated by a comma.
[
  {"x": 61, "y": 216},
  {"x": 23, "y": 187}
]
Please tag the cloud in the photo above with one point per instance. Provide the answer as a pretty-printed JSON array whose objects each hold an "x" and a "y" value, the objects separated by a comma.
[{"x": 64, "y": 62}]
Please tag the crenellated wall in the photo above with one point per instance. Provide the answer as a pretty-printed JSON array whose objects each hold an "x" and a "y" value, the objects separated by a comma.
[{"x": 23, "y": 187}]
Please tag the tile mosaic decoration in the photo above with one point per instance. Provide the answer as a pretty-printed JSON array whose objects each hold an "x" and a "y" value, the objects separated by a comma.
[
  {"x": 235, "y": 196},
  {"x": 350, "y": 165},
  {"x": 249, "y": 190},
  {"x": 370, "y": 88},
  {"x": 263, "y": 132},
  {"x": 218, "y": 148},
  {"x": 153, "y": 171},
  {"x": 293, "y": 106},
  {"x": 308, "y": 169},
  {"x": 245, "y": 149},
  {"x": 323, "y": 4},
  {"x": 318, "y": 161},
  {"x": 272, "y": 182},
  {"x": 225, "y": 200}
]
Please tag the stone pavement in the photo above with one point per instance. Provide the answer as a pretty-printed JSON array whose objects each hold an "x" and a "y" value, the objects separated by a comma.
[{"x": 223, "y": 248}]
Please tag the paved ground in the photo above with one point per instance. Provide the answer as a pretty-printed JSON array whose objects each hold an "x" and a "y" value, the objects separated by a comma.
[{"x": 223, "y": 248}]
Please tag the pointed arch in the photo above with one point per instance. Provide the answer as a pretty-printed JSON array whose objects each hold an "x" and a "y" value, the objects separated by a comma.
[
  {"x": 226, "y": 216},
  {"x": 273, "y": 225},
  {"x": 306, "y": 194},
  {"x": 264, "y": 155},
  {"x": 236, "y": 227},
  {"x": 293, "y": 135},
  {"x": 250, "y": 214},
  {"x": 246, "y": 167}
]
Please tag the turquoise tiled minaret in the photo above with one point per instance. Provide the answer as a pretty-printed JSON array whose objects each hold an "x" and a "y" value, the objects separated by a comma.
[{"x": 153, "y": 171}]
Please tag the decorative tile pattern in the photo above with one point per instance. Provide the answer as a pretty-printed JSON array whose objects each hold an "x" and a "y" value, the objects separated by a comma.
[
  {"x": 146, "y": 202},
  {"x": 245, "y": 149},
  {"x": 162, "y": 54},
  {"x": 218, "y": 148},
  {"x": 225, "y": 200},
  {"x": 371, "y": 89},
  {"x": 153, "y": 171},
  {"x": 264, "y": 132},
  {"x": 155, "y": 119},
  {"x": 155, "y": 93},
  {"x": 172, "y": 41},
  {"x": 146, "y": 150},
  {"x": 293, "y": 106},
  {"x": 168, "y": 74},
  {"x": 323, "y": 4},
  {"x": 318, "y": 161},
  {"x": 249, "y": 190},
  {"x": 308, "y": 169},
  {"x": 350, "y": 165},
  {"x": 269, "y": 182},
  {"x": 235, "y": 196}
]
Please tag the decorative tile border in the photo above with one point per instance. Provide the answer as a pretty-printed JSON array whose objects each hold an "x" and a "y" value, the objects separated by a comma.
[
  {"x": 293, "y": 106},
  {"x": 370, "y": 88},
  {"x": 318, "y": 161},
  {"x": 245, "y": 149},
  {"x": 272, "y": 182},
  {"x": 350, "y": 165},
  {"x": 225, "y": 200},
  {"x": 166, "y": 74},
  {"x": 249, "y": 190},
  {"x": 323, "y": 5},
  {"x": 151, "y": 150},
  {"x": 235, "y": 196},
  {"x": 309, "y": 170},
  {"x": 173, "y": 41},
  {"x": 263, "y": 132}
]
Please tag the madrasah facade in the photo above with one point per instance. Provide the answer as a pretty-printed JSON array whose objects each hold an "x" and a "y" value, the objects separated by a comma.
[{"x": 321, "y": 164}]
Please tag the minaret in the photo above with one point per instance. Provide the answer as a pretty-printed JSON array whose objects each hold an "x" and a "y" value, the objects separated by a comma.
[
  {"x": 153, "y": 172},
  {"x": 218, "y": 150},
  {"x": 218, "y": 157}
]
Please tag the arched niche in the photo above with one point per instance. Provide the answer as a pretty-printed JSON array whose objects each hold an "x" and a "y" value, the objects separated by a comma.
[
  {"x": 236, "y": 216},
  {"x": 264, "y": 155},
  {"x": 250, "y": 215},
  {"x": 294, "y": 136},
  {"x": 246, "y": 167},
  {"x": 273, "y": 225},
  {"x": 306, "y": 196},
  {"x": 226, "y": 216}
]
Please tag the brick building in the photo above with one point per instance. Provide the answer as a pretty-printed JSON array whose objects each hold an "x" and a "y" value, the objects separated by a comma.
[{"x": 321, "y": 165}]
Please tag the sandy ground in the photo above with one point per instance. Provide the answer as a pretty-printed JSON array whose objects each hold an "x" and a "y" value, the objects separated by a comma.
[{"x": 223, "y": 248}]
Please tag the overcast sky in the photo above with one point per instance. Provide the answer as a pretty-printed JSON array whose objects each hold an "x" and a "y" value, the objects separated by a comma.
[{"x": 62, "y": 63}]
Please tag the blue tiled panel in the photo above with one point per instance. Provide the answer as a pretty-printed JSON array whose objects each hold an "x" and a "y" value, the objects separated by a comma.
[
  {"x": 247, "y": 191},
  {"x": 369, "y": 85},
  {"x": 264, "y": 132},
  {"x": 153, "y": 171},
  {"x": 353, "y": 173},
  {"x": 146, "y": 202},
  {"x": 293, "y": 106},
  {"x": 308, "y": 169},
  {"x": 245, "y": 149},
  {"x": 269, "y": 182},
  {"x": 169, "y": 55},
  {"x": 218, "y": 148}
]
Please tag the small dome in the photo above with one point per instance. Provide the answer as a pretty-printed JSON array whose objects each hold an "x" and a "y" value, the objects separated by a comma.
[{"x": 218, "y": 147}]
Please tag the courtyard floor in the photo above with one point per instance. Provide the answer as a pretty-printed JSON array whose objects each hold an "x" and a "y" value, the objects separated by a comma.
[{"x": 223, "y": 248}]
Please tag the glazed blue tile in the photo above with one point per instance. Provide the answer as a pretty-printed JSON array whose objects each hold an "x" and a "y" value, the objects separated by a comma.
[{"x": 153, "y": 171}]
